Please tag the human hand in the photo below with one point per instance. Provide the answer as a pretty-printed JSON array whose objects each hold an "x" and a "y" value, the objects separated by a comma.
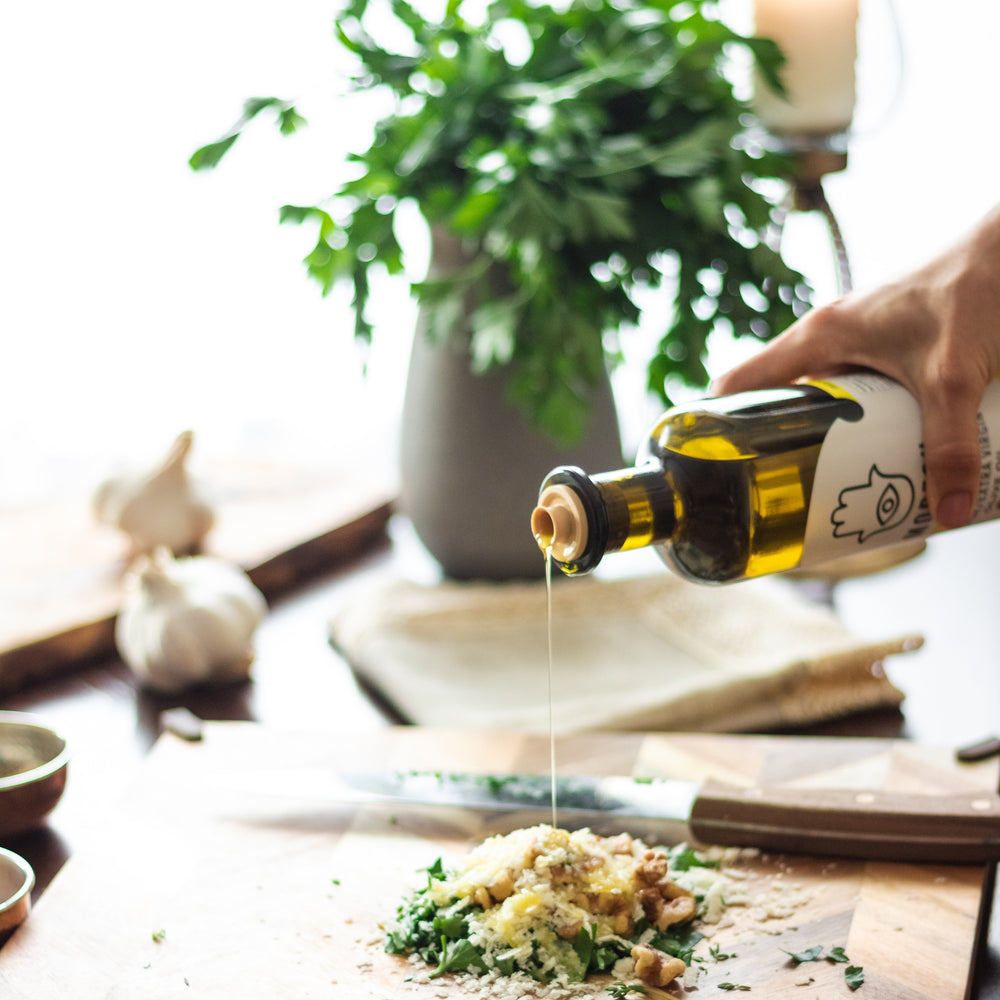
[{"x": 935, "y": 331}]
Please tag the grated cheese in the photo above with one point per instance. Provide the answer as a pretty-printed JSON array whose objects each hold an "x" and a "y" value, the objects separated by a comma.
[{"x": 555, "y": 877}]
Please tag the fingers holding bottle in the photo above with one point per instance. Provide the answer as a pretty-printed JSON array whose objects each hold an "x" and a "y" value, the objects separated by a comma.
[{"x": 936, "y": 331}]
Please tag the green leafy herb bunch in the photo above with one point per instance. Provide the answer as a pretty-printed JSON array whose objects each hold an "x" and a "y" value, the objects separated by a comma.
[{"x": 587, "y": 152}]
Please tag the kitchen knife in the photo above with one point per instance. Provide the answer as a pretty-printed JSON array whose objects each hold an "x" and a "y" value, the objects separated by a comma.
[{"x": 870, "y": 824}]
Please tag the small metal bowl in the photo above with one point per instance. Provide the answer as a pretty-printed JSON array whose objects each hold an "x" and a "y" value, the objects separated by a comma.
[
  {"x": 16, "y": 882},
  {"x": 33, "y": 764}
]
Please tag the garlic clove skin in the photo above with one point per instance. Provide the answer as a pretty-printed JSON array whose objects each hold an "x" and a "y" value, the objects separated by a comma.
[
  {"x": 188, "y": 622},
  {"x": 159, "y": 506}
]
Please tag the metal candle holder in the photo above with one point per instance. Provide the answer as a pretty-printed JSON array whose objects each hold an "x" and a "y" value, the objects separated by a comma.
[{"x": 813, "y": 158}]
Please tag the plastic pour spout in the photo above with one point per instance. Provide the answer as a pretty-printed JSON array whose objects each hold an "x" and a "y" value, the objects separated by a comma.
[{"x": 560, "y": 521}]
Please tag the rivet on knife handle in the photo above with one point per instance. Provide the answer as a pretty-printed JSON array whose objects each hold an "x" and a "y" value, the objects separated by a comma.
[{"x": 963, "y": 828}]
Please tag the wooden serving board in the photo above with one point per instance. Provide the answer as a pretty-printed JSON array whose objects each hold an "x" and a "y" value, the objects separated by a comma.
[
  {"x": 61, "y": 572},
  {"x": 199, "y": 888}
]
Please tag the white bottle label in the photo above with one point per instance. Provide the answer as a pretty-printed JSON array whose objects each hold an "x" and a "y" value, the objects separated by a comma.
[{"x": 870, "y": 488}]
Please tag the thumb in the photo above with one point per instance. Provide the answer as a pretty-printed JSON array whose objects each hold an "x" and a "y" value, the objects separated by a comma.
[{"x": 952, "y": 459}]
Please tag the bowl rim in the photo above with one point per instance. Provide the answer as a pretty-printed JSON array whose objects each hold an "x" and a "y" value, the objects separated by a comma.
[
  {"x": 26, "y": 886},
  {"x": 42, "y": 771}
]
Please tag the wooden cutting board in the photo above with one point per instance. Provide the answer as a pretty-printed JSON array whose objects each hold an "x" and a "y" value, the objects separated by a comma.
[
  {"x": 197, "y": 889},
  {"x": 61, "y": 572}
]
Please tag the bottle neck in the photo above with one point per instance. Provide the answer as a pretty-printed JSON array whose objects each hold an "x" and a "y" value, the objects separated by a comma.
[
  {"x": 583, "y": 517},
  {"x": 640, "y": 507}
]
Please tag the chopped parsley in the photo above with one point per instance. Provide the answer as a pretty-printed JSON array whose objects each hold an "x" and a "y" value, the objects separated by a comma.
[
  {"x": 810, "y": 955},
  {"x": 441, "y": 938},
  {"x": 679, "y": 940},
  {"x": 683, "y": 858},
  {"x": 854, "y": 975},
  {"x": 719, "y": 955},
  {"x": 494, "y": 783},
  {"x": 729, "y": 987},
  {"x": 621, "y": 990}
]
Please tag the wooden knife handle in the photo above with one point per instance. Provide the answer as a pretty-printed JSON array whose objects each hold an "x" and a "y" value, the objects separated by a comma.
[{"x": 962, "y": 828}]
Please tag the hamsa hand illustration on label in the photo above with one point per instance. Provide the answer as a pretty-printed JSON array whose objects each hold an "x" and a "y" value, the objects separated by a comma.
[{"x": 882, "y": 503}]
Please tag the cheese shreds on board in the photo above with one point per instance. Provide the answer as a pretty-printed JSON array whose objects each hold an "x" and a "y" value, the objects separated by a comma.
[{"x": 557, "y": 905}]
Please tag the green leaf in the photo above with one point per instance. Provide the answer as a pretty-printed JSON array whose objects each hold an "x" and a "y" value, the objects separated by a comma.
[
  {"x": 809, "y": 955},
  {"x": 706, "y": 198},
  {"x": 679, "y": 940},
  {"x": 564, "y": 413},
  {"x": 422, "y": 147},
  {"x": 583, "y": 944},
  {"x": 470, "y": 215},
  {"x": 395, "y": 943},
  {"x": 683, "y": 858},
  {"x": 458, "y": 956},
  {"x": 209, "y": 156},
  {"x": 620, "y": 990},
  {"x": 605, "y": 956},
  {"x": 695, "y": 151},
  {"x": 253, "y": 106},
  {"x": 444, "y": 319},
  {"x": 435, "y": 871},
  {"x": 359, "y": 277},
  {"x": 595, "y": 213},
  {"x": 854, "y": 976},
  {"x": 453, "y": 928},
  {"x": 837, "y": 955},
  {"x": 769, "y": 60},
  {"x": 409, "y": 16},
  {"x": 327, "y": 264},
  {"x": 719, "y": 955},
  {"x": 290, "y": 121},
  {"x": 734, "y": 986},
  {"x": 297, "y": 214}
]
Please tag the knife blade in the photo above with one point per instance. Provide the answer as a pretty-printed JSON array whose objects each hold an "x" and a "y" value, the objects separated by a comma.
[{"x": 869, "y": 824}]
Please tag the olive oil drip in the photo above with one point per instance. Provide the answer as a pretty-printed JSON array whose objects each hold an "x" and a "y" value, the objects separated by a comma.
[{"x": 552, "y": 728}]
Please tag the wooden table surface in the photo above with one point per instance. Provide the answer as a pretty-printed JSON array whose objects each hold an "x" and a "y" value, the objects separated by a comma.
[{"x": 952, "y": 684}]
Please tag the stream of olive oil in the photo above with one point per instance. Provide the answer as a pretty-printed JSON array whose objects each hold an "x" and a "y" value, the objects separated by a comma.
[{"x": 552, "y": 728}]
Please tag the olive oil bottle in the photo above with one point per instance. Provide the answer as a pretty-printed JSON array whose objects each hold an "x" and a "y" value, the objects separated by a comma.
[{"x": 763, "y": 482}]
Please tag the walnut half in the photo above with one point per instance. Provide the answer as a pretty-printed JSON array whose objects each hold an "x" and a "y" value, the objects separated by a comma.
[{"x": 654, "y": 967}]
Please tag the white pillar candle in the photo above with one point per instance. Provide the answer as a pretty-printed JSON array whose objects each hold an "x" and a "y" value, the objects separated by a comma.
[{"x": 819, "y": 41}]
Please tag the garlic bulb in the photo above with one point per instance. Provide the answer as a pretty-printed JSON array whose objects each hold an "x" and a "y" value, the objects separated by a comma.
[
  {"x": 188, "y": 622},
  {"x": 158, "y": 506}
]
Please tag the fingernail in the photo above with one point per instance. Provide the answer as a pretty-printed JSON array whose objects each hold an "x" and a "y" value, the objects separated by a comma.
[{"x": 954, "y": 510}]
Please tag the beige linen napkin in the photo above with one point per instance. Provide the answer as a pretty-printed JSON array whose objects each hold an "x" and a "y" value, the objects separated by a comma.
[{"x": 644, "y": 653}]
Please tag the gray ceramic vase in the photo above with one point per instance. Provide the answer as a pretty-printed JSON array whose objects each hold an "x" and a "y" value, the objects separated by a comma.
[{"x": 471, "y": 464}]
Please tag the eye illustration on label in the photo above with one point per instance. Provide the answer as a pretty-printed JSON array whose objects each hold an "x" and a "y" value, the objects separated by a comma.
[{"x": 872, "y": 507}]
